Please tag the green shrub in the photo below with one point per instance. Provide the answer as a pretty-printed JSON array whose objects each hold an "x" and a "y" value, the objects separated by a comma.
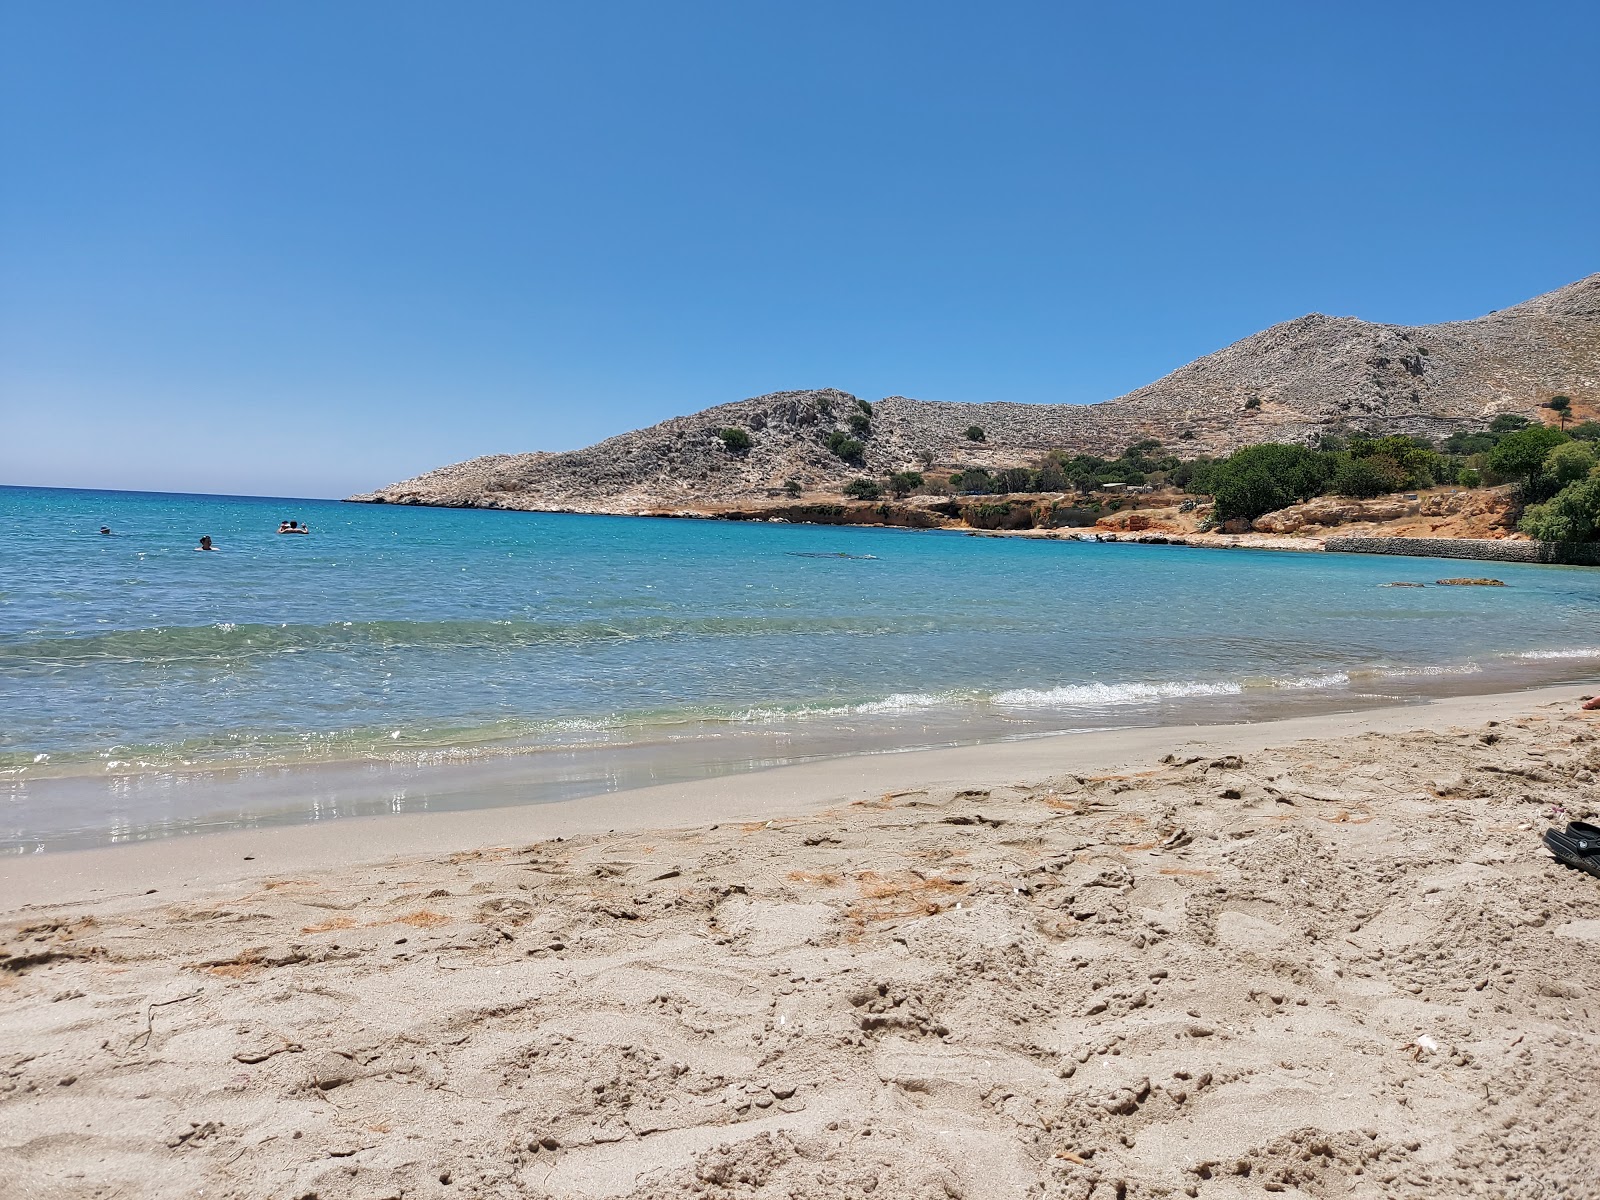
[
  {"x": 1364, "y": 478},
  {"x": 735, "y": 440},
  {"x": 792, "y": 486},
  {"x": 1253, "y": 402},
  {"x": 1508, "y": 423},
  {"x": 864, "y": 407},
  {"x": 1050, "y": 478},
  {"x": 1468, "y": 478},
  {"x": 1417, "y": 463},
  {"x": 975, "y": 481},
  {"x": 846, "y": 447},
  {"x": 1261, "y": 479},
  {"x": 903, "y": 483},
  {"x": 1191, "y": 476},
  {"x": 1572, "y": 516},
  {"x": 1470, "y": 443},
  {"x": 862, "y": 489},
  {"x": 1567, "y": 463},
  {"x": 1521, "y": 455},
  {"x": 1587, "y": 431},
  {"x": 975, "y": 433},
  {"x": 1186, "y": 436},
  {"x": 1017, "y": 479},
  {"x": 860, "y": 424}
]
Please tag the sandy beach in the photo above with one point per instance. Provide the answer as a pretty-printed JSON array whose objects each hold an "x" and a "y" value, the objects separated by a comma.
[{"x": 1324, "y": 957}]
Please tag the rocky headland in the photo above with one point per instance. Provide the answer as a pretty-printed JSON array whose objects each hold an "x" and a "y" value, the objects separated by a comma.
[{"x": 1288, "y": 383}]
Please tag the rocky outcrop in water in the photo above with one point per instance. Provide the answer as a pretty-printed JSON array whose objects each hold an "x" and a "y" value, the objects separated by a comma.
[{"x": 1287, "y": 383}]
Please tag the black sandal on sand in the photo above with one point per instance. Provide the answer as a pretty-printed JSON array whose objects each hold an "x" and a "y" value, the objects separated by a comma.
[{"x": 1578, "y": 847}]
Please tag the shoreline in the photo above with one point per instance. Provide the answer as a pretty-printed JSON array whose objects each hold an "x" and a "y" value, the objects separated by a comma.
[
  {"x": 215, "y": 858},
  {"x": 1324, "y": 956},
  {"x": 68, "y": 812}
]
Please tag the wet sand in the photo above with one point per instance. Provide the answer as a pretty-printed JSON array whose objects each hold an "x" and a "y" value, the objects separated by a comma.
[{"x": 1325, "y": 956}]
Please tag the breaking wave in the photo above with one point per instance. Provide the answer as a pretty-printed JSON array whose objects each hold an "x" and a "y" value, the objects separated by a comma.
[{"x": 1570, "y": 652}]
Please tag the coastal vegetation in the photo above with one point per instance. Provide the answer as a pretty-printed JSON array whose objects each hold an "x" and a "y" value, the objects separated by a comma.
[
  {"x": 1062, "y": 472},
  {"x": 1520, "y": 456},
  {"x": 1555, "y": 474},
  {"x": 736, "y": 440},
  {"x": 903, "y": 483},
  {"x": 1567, "y": 484},
  {"x": 1261, "y": 479}
]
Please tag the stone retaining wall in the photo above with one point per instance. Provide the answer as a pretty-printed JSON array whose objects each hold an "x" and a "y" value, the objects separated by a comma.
[{"x": 1486, "y": 549}]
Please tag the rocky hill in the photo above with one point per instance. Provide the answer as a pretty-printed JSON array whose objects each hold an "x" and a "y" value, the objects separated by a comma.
[{"x": 1287, "y": 383}]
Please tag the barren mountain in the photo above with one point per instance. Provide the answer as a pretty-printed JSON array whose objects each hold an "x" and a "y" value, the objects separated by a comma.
[{"x": 1287, "y": 383}]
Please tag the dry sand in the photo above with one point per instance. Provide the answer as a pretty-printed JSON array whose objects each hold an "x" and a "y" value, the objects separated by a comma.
[{"x": 1325, "y": 957}]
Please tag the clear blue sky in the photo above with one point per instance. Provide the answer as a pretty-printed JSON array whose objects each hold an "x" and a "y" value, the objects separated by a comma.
[{"x": 309, "y": 248}]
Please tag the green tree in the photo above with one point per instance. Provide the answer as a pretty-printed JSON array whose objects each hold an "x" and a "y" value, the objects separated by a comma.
[
  {"x": 1508, "y": 423},
  {"x": 1572, "y": 516},
  {"x": 1194, "y": 476},
  {"x": 974, "y": 481},
  {"x": 903, "y": 483},
  {"x": 1520, "y": 455},
  {"x": 1568, "y": 463},
  {"x": 1050, "y": 477},
  {"x": 1586, "y": 431},
  {"x": 1470, "y": 443},
  {"x": 1375, "y": 475},
  {"x": 862, "y": 489},
  {"x": 846, "y": 447},
  {"x": 1260, "y": 479},
  {"x": 975, "y": 434},
  {"x": 792, "y": 487},
  {"x": 1562, "y": 406},
  {"x": 860, "y": 424},
  {"x": 735, "y": 440},
  {"x": 1419, "y": 465}
]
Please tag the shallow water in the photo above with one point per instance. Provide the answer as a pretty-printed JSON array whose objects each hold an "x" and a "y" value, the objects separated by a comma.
[{"x": 424, "y": 658}]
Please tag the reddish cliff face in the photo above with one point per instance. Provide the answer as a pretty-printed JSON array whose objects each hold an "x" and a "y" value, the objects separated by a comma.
[{"x": 1287, "y": 383}]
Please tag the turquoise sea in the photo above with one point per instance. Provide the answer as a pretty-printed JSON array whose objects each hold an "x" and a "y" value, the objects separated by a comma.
[{"x": 400, "y": 659}]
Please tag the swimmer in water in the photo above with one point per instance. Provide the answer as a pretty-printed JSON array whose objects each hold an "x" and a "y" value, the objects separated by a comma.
[
  {"x": 106, "y": 529},
  {"x": 205, "y": 543},
  {"x": 293, "y": 527}
]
